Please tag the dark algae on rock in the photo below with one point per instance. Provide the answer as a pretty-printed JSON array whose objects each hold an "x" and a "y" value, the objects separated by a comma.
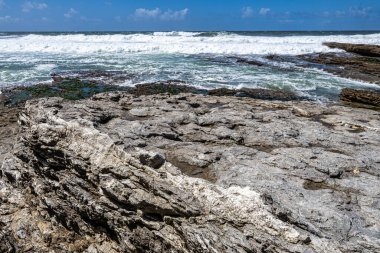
[{"x": 72, "y": 89}]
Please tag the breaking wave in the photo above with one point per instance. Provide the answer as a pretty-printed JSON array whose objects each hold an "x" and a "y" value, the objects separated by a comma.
[{"x": 222, "y": 43}]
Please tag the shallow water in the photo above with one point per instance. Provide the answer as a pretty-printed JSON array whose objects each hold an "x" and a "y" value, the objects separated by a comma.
[{"x": 201, "y": 59}]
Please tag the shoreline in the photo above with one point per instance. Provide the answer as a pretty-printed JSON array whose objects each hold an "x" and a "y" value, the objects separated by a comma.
[
  {"x": 360, "y": 63},
  {"x": 166, "y": 167}
]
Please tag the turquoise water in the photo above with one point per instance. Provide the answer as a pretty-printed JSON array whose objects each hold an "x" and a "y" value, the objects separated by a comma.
[{"x": 204, "y": 59}]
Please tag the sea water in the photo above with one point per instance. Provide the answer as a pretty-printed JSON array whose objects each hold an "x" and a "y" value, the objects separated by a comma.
[{"x": 202, "y": 59}]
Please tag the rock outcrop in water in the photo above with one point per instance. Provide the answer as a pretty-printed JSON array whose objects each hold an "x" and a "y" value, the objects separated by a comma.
[
  {"x": 190, "y": 173},
  {"x": 361, "y": 62},
  {"x": 360, "y": 49},
  {"x": 80, "y": 85},
  {"x": 366, "y": 69}
]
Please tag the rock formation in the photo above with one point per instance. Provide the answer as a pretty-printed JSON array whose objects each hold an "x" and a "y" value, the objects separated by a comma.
[
  {"x": 190, "y": 173},
  {"x": 359, "y": 62},
  {"x": 367, "y": 97},
  {"x": 354, "y": 67},
  {"x": 360, "y": 49}
]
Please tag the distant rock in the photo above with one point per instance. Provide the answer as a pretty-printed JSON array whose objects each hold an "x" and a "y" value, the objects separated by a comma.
[
  {"x": 360, "y": 49},
  {"x": 256, "y": 93},
  {"x": 173, "y": 87},
  {"x": 94, "y": 76},
  {"x": 251, "y": 62},
  {"x": 349, "y": 66}
]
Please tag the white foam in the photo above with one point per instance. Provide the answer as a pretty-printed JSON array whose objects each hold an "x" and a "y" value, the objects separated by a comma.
[
  {"x": 176, "y": 42},
  {"x": 45, "y": 67}
]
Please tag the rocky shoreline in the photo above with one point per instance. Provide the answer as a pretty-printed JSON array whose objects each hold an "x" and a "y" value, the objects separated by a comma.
[
  {"x": 166, "y": 167},
  {"x": 169, "y": 173}
]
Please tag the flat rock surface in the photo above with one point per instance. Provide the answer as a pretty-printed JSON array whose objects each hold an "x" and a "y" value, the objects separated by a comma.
[{"x": 191, "y": 173}]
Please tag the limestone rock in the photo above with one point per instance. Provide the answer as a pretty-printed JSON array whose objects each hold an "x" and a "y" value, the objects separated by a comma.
[{"x": 194, "y": 173}]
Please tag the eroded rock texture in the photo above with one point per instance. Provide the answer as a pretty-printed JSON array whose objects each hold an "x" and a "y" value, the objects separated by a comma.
[
  {"x": 191, "y": 173},
  {"x": 367, "y": 97}
]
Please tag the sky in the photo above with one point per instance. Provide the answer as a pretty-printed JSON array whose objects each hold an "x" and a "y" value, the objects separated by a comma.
[{"x": 188, "y": 15}]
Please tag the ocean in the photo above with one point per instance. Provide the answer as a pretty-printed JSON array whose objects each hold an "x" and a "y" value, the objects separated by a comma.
[{"x": 202, "y": 59}]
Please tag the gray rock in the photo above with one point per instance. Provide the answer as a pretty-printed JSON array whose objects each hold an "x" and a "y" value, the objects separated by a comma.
[{"x": 228, "y": 175}]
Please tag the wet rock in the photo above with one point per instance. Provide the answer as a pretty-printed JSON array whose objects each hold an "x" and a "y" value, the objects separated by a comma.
[
  {"x": 250, "y": 62},
  {"x": 72, "y": 89},
  {"x": 94, "y": 76},
  {"x": 173, "y": 87},
  {"x": 360, "y": 49},
  {"x": 3, "y": 100},
  {"x": 361, "y": 96},
  {"x": 348, "y": 66},
  {"x": 265, "y": 94},
  {"x": 222, "y": 92}
]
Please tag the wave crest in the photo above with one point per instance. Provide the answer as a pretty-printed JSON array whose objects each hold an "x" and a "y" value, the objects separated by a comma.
[{"x": 221, "y": 43}]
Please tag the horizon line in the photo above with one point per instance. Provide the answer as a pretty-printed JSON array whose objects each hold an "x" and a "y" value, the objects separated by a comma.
[{"x": 76, "y": 31}]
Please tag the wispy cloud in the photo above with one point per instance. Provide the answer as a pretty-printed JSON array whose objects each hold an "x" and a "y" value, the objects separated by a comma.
[
  {"x": 351, "y": 12},
  {"x": 156, "y": 13},
  {"x": 8, "y": 19},
  {"x": 70, "y": 13},
  {"x": 247, "y": 12},
  {"x": 146, "y": 13},
  {"x": 5, "y": 19},
  {"x": 362, "y": 12},
  {"x": 264, "y": 11},
  {"x": 175, "y": 15},
  {"x": 2, "y": 3},
  {"x": 29, "y": 6}
]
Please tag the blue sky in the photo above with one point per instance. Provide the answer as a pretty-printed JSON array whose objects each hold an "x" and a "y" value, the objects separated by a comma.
[{"x": 193, "y": 15}]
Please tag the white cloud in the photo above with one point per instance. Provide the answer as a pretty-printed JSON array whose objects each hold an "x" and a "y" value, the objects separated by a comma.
[
  {"x": 146, "y": 13},
  {"x": 247, "y": 12},
  {"x": 174, "y": 15},
  {"x": 70, "y": 13},
  {"x": 28, "y": 6},
  {"x": 142, "y": 13},
  {"x": 264, "y": 11}
]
